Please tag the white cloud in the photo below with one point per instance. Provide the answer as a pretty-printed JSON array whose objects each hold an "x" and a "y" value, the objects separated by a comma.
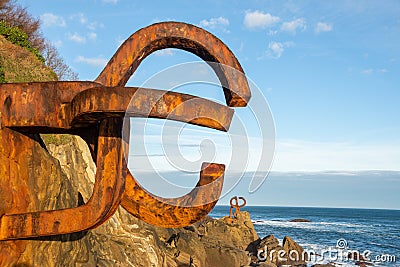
[
  {"x": 97, "y": 62},
  {"x": 80, "y": 17},
  {"x": 299, "y": 155},
  {"x": 294, "y": 25},
  {"x": 164, "y": 52},
  {"x": 216, "y": 23},
  {"x": 367, "y": 71},
  {"x": 258, "y": 19},
  {"x": 77, "y": 38},
  {"x": 92, "y": 35},
  {"x": 323, "y": 27},
  {"x": 57, "y": 43},
  {"x": 94, "y": 25},
  {"x": 371, "y": 71},
  {"x": 272, "y": 32},
  {"x": 276, "y": 49},
  {"x": 49, "y": 19}
]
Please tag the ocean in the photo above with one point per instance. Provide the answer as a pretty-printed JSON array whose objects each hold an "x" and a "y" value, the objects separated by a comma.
[{"x": 371, "y": 232}]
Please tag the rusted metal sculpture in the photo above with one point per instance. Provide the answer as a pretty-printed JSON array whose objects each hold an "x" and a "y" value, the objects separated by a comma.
[
  {"x": 95, "y": 111},
  {"x": 236, "y": 205}
]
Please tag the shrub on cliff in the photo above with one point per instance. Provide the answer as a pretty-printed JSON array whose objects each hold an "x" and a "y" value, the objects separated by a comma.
[
  {"x": 16, "y": 36},
  {"x": 20, "y": 28}
]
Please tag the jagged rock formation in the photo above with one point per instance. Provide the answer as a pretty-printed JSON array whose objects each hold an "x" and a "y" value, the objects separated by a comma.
[{"x": 273, "y": 254}]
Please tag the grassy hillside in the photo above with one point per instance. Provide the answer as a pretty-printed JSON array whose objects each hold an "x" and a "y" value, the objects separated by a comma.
[{"x": 17, "y": 64}]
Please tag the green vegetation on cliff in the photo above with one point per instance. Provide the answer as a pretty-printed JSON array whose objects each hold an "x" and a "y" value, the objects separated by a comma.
[
  {"x": 16, "y": 36},
  {"x": 56, "y": 139},
  {"x": 18, "y": 64},
  {"x": 22, "y": 29}
]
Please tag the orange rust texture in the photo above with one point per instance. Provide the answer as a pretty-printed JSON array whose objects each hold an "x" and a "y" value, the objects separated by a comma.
[
  {"x": 234, "y": 83},
  {"x": 97, "y": 103},
  {"x": 16, "y": 195},
  {"x": 39, "y": 104},
  {"x": 176, "y": 212},
  {"x": 95, "y": 111},
  {"x": 182, "y": 36},
  {"x": 27, "y": 106},
  {"x": 236, "y": 205},
  {"x": 106, "y": 196}
]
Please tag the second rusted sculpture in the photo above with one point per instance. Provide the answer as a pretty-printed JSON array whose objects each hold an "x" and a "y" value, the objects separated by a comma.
[
  {"x": 236, "y": 205},
  {"x": 95, "y": 112}
]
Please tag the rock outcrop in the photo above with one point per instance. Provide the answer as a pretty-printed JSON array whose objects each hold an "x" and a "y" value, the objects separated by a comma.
[
  {"x": 268, "y": 252},
  {"x": 299, "y": 220}
]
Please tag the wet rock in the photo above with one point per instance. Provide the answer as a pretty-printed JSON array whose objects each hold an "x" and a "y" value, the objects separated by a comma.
[
  {"x": 266, "y": 264},
  {"x": 299, "y": 220},
  {"x": 354, "y": 255},
  {"x": 363, "y": 263},
  {"x": 295, "y": 253},
  {"x": 267, "y": 250}
]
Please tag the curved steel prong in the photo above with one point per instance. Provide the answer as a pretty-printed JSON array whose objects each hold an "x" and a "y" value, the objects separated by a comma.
[
  {"x": 92, "y": 105},
  {"x": 161, "y": 211},
  {"x": 190, "y": 38},
  {"x": 182, "y": 36},
  {"x": 107, "y": 193}
]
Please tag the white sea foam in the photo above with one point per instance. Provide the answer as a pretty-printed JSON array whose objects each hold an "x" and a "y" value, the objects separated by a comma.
[{"x": 318, "y": 226}]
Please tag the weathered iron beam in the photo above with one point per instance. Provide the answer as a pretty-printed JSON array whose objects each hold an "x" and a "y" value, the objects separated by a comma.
[
  {"x": 107, "y": 192},
  {"x": 27, "y": 106},
  {"x": 182, "y": 36},
  {"x": 176, "y": 212}
]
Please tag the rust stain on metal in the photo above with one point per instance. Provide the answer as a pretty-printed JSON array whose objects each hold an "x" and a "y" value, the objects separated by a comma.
[
  {"x": 236, "y": 205},
  {"x": 95, "y": 111},
  {"x": 176, "y": 212},
  {"x": 182, "y": 36}
]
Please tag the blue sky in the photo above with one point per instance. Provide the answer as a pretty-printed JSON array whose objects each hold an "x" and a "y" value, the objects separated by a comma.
[{"x": 330, "y": 71}]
